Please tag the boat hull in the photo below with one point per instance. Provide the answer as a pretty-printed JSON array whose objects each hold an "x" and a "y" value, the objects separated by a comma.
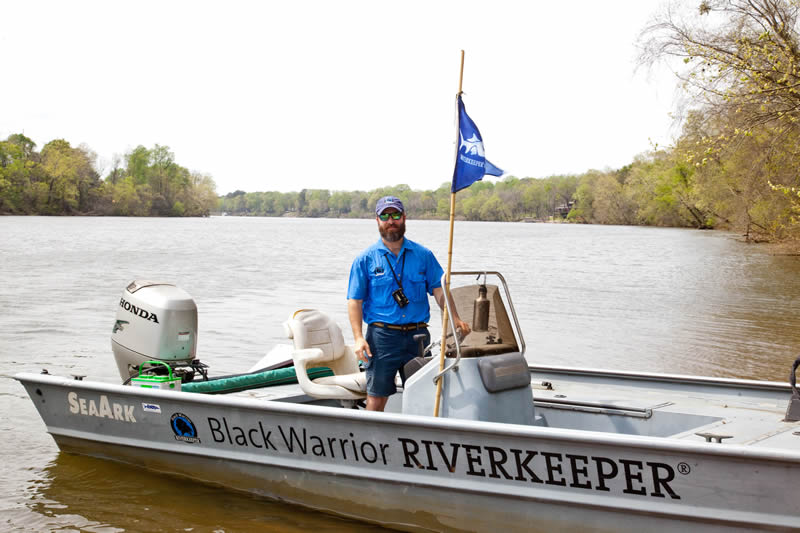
[{"x": 422, "y": 473}]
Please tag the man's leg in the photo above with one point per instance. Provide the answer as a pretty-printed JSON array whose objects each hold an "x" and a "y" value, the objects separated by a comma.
[
  {"x": 376, "y": 403},
  {"x": 386, "y": 347}
]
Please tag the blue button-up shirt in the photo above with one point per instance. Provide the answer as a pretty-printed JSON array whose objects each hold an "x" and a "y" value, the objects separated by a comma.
[{"x": 371, "y": 281}]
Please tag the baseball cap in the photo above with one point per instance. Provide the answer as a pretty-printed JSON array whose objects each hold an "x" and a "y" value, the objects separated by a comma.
[{"x": 389, "y": 201}]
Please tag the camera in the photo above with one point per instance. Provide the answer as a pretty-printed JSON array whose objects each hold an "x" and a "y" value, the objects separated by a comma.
[{"x": 400, "y": 297}]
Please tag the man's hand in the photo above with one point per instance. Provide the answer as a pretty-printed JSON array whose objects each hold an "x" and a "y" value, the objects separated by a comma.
[
  {"x": 463, "y": 326},
  {"x": 361, "y": 348},
  {"x": 438, "y": 294}
]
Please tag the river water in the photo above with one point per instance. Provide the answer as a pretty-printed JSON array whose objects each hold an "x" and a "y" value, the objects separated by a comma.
[{"x": 631, "y": 298}]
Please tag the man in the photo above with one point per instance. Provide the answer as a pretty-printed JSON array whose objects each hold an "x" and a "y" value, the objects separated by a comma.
[{"x": 389, "y": 286}]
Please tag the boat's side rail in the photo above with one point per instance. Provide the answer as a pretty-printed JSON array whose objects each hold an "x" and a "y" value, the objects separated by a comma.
[
  {"x": 649, "y": 379},
  {"x": 595, "y": 408}
]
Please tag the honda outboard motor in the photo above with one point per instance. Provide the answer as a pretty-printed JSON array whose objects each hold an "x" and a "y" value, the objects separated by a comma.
[{"x": 155, "y": 322}]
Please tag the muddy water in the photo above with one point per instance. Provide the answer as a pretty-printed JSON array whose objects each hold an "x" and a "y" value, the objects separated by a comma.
[{"x": 661, "y": 300}]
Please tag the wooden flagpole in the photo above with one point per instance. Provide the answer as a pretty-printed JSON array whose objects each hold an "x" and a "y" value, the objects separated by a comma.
[{"x": 446, "y": 288}]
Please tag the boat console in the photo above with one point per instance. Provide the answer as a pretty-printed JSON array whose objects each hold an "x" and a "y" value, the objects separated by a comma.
[{"x": 486, "y": 376}]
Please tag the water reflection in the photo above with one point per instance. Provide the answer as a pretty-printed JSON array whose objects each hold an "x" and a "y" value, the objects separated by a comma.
[{"x": 107, "y": 497}]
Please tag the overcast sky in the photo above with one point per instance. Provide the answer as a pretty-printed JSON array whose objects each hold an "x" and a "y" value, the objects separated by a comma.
[{"x": 339, "y": 95}]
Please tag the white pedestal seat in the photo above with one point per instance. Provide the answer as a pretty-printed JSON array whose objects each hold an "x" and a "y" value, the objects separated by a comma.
[{"x": 318, "y": 341}]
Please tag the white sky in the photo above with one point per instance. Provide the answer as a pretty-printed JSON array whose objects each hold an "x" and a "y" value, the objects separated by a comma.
[{"x": 339, "y": 95}]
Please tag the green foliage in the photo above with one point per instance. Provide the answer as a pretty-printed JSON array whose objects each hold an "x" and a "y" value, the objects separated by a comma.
[
  {"x": 742, "y": 73},
  {"x": 62, "y": 180},
  {"x": 510, "y": 199}
]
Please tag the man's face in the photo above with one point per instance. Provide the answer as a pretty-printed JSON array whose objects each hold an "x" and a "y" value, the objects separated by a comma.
[{"x": 392, "y": 230}]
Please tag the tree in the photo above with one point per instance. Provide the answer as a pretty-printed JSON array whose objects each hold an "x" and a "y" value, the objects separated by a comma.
[
  {"x": 659, "y": 184},
  {"x": 317, "y": 202},
  {"x": 117, "y": 172},
  {"x": 427, "y": 203},
  {"x": 130, "y": 199},
  {"x": 137, "y": 163},
  {"x": 16, "y": 171},
  {"x": 64, "y": 180},
  {"x": 70, "y": 174},
  {"x": 742, "y": 70},
  {"x": 495, "y": 209},
  {"x": 611, "y": 203},
  {"x": 583, "y": 210},
  {"x": 471, "y": 206},
  {"x": 199, "y": 199},
  {"x": 340, "y": 202},
  {"x": 742, "y": 57},
  {"x": 792, "y": 195},
  {"x": 25, "y": 144}
]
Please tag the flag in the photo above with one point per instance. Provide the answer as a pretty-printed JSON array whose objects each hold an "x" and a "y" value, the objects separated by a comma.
[{"x": 471, "y": 162}]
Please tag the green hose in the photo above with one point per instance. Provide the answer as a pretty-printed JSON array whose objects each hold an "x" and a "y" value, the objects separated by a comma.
[{"x": 267, "y": 378}]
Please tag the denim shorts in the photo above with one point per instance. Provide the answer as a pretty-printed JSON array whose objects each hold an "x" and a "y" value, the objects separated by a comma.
[{"x": 391, "y": 349}]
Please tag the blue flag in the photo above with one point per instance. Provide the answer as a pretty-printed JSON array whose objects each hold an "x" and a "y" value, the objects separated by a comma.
[{"x": 471, "y": 162}]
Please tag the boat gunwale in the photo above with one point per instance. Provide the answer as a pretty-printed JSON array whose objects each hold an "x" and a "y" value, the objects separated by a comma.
[
  {"x": 750, "y": 384},
  {"x": 495, "y": 429}
]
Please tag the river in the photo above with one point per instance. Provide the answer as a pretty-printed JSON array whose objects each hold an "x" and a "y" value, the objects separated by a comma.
[{"x": 632, "y": 298}]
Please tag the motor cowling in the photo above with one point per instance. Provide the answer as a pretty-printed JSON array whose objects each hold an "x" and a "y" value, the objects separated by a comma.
[{"x": 155, "y": 321}]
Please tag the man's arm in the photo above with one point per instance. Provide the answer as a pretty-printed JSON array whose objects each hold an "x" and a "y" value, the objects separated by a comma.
[
  {"x": 438, "y": 294},
  {"x": 356, "y": 316}
]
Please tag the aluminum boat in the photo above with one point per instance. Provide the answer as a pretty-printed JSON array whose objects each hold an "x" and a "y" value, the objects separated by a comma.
[{"x": 515, "y": 447}]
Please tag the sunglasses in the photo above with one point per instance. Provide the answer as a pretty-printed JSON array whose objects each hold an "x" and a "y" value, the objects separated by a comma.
[{"x": 394, "y": 216}]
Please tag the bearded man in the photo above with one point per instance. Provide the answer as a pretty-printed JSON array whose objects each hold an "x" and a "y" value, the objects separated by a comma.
[{"x": 389, "y": 286}]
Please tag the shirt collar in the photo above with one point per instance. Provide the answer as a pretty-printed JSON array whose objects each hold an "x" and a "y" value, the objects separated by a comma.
[{"x": 383, "y": 247}]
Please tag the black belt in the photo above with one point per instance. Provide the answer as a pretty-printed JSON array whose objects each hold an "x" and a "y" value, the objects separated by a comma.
[{"x": 400, "y": 327}]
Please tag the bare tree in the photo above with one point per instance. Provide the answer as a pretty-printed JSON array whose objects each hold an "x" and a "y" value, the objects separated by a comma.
[{"x": 740, "y": 57}]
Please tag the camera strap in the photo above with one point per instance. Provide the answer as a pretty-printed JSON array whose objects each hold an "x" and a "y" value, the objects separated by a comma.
[{"x": 402, "y": 268}]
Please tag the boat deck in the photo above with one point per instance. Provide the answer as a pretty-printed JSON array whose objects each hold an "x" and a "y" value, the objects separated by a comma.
[{"x": 680, "y": 407}]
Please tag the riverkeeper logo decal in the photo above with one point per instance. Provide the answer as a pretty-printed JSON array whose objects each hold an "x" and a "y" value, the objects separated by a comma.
[{"x": 184, "y": 428}]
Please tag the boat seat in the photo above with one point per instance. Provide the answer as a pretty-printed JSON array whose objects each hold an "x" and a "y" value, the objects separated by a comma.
[{"x": 318, "y": 341}]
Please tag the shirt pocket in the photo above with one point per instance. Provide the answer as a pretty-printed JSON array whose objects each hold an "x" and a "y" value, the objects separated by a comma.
[
  {"x": 415, "y": 287},
  {"x": 380, "y": 289}
]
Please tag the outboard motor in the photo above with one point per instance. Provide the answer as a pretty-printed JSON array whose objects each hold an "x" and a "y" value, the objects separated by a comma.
[{"x": 155, "y": 322}]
